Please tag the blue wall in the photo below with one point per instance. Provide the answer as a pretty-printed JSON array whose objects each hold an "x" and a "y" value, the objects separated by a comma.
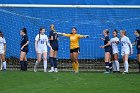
[{"x": 87, "y": 21}]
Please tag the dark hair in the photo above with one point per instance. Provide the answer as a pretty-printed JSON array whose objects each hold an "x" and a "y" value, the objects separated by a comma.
[
  {"x": 24, "y": 30},
  {"x": 115, "y": 31},
  {"x": 74, "y": 28},
  {"x": 138, "y": 31},
  {"x": 40, "y": 30},
  {"x": 1, "y": 34}
]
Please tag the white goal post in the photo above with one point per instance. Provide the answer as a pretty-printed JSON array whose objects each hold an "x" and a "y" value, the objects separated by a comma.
[{"x": 67, "y": 6}]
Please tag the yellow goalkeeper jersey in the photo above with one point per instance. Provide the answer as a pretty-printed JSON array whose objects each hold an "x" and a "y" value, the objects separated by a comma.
[{"x": 74, "y": 40}]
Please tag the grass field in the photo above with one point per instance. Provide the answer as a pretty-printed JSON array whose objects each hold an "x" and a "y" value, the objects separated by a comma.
[{"x": 68, "y": 82}]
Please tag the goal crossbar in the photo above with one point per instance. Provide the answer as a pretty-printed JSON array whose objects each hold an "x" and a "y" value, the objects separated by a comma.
[{"x": 65, "y": 6}]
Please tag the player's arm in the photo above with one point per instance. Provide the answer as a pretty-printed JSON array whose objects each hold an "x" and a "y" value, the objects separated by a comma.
[
  {"x": 48, "y": 44},
  {"x": 25, "y": 43},
  {"x": 4, "y": 45},
  {"x": 36, "y": 43},
  {"x": 130, "y": 45},
  {"x": 108, "y": 43},
  {"x": 83, "y": 36},
  {"x": 63, "y": 34}
]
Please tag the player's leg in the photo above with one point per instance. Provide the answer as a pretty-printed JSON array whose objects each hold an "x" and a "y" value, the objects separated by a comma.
[
  {"x": 1, "y": 65},
  {"x": 3, "y": 60},
  {"x": 22, "y": 56},
  {"x": 73, "y": 62},
  {"x": 116, "y": 62},
  {"x": 138, "y": 58},
  {"x": 107, "y": 59},
  {"x": 45, "y": 61},
  {"x": 38, "y": 61},
  {"x": 55, "y": 61},
  {"x": 25, "y": 63},
  {"x": 126, "y": 65},
  {"x": 75, "y": 55},
  {"x": 51, "y": 59}
]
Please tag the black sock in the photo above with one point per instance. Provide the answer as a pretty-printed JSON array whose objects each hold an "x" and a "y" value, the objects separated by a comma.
[
  {"x": 51, "y": 61},
  {"x": 110, "y": 66},
  {"x": 25, "y": 65},
  {"x": 55, "y": 62},
  {"x": 21, "y": 65}
]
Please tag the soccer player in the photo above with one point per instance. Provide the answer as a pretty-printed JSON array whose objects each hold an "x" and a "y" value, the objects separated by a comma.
[
  {"x": 2, "y": 51},
  {"x": 41, "y": 42},
  {"x": 126, "y": 50},
  {"x": 114, "y": 43},
  {"x": 74, "y": 47},
  {"x": 137, "y": 42},
  {"x": 53, "y": 37},
  {"x": 108, "y": 51},
  {"x": 24, "y": 49}
]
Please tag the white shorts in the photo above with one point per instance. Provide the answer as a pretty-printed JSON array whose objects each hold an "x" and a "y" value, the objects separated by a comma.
[
  {"x": 1, "y": 51},
  {"x": 115, "y": 51},
  {"x": 125, "y": 52},
  {"x": 42, "y": 50}
]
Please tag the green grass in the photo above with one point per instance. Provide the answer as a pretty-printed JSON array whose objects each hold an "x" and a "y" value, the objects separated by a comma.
[{"x": 67, "y": 82}]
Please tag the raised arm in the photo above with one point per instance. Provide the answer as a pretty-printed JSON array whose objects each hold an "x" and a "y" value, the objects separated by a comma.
[{"x": 83, "y": 36}]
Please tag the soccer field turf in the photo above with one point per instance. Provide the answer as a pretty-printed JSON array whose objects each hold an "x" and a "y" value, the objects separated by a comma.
[{"x": 68, "y": 82}]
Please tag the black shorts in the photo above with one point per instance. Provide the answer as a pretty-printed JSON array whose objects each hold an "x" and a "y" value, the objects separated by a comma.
[
  {"x": 54, "y": 46},
  {"x": 25, "y": 50},
  {"x": 138, "y": 51},
  {"x": 77, "y": 50},
  {"x": 109, "y": 50}
]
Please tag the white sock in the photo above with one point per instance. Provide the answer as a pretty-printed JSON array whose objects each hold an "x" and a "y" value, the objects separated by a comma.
[
  {"x": 52, "y": 68},
  {"x": 126, "y": 65},
  {"x": 4, "y": 64},
  {"x": 45, "y": 65},
  {"x": 117, "y": 65},
  {"x": 36, "y": 64},
  {"x": 114, "y": 66}
]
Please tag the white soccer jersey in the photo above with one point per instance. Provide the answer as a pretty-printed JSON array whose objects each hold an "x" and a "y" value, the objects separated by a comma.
[
  {"x": 42, "y": 41},
  {"x": 114, "y": 44},
  {"x": 126, "y": 45},
  {"x": 2, "y": 42}
]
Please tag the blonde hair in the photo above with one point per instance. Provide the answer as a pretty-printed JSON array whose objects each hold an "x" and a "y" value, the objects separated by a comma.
[
  {"x": 106, "y": 31},
  {"x": 123, "y": 31}
]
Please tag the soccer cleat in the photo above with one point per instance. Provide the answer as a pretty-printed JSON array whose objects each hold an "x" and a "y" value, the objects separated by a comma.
[
  {"x": 125, "y": 72},
  {"x": 106, "y": 72},
  {"x": 56, "y": 70},
  {"x": 51, "y": 71}
]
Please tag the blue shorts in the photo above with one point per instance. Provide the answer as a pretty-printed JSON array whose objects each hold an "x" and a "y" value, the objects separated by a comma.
[
  {"x": 25, "y": 50},
  {"x": 109, "y": 50},
  {"x": 138, "y": 51}
]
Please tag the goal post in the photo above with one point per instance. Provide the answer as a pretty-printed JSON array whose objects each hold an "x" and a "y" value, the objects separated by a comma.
[{"x": 88, "y": 19}]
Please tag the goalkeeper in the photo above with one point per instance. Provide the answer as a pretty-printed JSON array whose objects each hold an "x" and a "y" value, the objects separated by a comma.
[{"x": 74, "y": 47}]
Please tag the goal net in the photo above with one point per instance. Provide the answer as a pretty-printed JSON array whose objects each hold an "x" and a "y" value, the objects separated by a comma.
[{"x": 88, "y": 19}]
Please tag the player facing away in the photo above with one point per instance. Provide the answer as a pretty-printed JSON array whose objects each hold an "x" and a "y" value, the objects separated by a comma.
[
  {"x": 24, "y": 49},
  {"x": 74, "y": 47},
  {"x": 2, "y": 51},
  {"x": 108, "y": 51},
  {"x": 114, "y": 43},
  {"x": 41, "y": 42},
  {"x": 137, "y": 42},
  {"x": 126, "y": 50},
  {"x": 53, "y": 37}
]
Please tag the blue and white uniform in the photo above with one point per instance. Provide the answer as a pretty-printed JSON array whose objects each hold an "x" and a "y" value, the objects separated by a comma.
[
  {"x": 126, "y": 46},
  {"x": 114, "y": 45},
  {"x": 2, "y": 42},
  {"x": 42, "y": 43}
]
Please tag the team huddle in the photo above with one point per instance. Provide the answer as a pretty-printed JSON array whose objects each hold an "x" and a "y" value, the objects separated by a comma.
[{"x": 42, "y": 41}]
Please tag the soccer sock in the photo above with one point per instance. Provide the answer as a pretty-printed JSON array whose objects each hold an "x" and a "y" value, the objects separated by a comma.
[
  {"x": 117, "y": 65},
  {"x": 1, "y": 65},
  {"x": 107, "y": 66},
  {"x": 114, "y": 66},
  {"x": 139, "y": 66},
  {"x": 77, "y": 66},
  {"x": 126, "y": 66},
  {"x": 22, "y": 65},
  {"x": 4, "y": 65},
  {"x": 45, "y": 65},
  {"x": 55, "y": 62},
  {"x": 36, "y": 64},
  {"x": 25, "y": 65},
  {"x": 74, "y": 66},
  {"x": 51, "y": 61},
  {"x": 110, "y": 66}
]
